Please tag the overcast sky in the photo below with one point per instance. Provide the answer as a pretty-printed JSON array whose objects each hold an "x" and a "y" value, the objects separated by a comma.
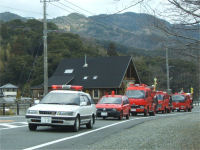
[{"x": 33, "y": 8}]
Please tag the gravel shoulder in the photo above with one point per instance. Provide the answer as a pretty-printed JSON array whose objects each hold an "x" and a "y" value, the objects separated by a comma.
[{"x": 180, "y": 132}]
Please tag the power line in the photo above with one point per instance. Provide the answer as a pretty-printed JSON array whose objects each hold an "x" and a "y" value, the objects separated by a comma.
[
  {"x": 97, "y": 22},
  {"x": 68, "y": 19},
  {"x": 122, "y": 9},
  {"x": 60, "y": 7},
  {"x": 68, "y": 7},
  {"x": 79, "y": 7}
]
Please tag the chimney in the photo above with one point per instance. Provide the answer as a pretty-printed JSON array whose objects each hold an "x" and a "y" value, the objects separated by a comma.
[{"x": 85, "y": 65}]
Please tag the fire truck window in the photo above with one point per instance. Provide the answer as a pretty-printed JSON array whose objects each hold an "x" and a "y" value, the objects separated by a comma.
[
  {"x": 135, "y": 94},
  {"x": 178, "y": 98}
]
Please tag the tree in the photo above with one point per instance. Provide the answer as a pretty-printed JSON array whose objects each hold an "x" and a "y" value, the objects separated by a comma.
[{"x": 112, "y": 50}]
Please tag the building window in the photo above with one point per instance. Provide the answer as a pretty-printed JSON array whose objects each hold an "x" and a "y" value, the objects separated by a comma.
[
  {"x": 95, "y": 77},
  {"x": 69, "y": 71},
  {"x": 85, "y": 77},
  {"x": 95, "y": 93}
]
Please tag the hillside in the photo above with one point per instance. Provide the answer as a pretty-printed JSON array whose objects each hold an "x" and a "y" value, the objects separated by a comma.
[
  {"x": 130, "y": 29},
  {"x": 7, "y": 16},
  {"x": 134, "y": 31}
]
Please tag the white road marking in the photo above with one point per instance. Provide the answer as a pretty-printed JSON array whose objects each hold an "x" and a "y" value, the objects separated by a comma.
[
  {"x": 12, "y": 125},
  {"x": 13, "y": 128},
  {"x": 9, "y": 117},
  {"x": 78, "y": 135},
  {"x": 8, "y": 125},
  {"x": 19, "y": 122}
]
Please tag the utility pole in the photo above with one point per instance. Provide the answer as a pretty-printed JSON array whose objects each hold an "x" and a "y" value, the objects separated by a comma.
[
  {"x": 45, "y": 49},
  {"x": 45, "y": 44},
  {"x": 167, "y": 68},
  {"x": 198, "y": 61}
]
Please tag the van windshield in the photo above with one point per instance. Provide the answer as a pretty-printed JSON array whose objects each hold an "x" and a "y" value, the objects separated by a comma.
[
  {"x": 110, "y": 100},
  {"x": 61, "y": 98},
  {"x": 178, "y": 98},
  {"x": 135, "y": 94}
]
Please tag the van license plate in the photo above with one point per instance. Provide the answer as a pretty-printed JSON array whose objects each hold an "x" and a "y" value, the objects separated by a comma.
[
  {"x": 45, "y": 119},
  {"x": 104, "y": 114},
  {"x": 133, "y": 109}
]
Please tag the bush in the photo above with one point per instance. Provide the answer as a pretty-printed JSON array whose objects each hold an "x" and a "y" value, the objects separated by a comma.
[{"x": 8, "y": 112}]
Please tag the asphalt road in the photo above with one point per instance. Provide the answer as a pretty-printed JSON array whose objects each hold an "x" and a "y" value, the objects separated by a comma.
[{"x": 157, "y": 132}]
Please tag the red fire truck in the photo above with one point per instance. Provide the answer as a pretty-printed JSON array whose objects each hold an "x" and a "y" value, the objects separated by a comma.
[
  {"x": 164, "y": 103},
  {"x": 141, "y": 99},
  {"x": 181, "y": 101}
]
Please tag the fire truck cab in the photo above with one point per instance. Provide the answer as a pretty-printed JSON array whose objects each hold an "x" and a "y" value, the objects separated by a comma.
[
  {"x": 164, "y": 103},
  {"x": 141, "y": 99},
  {"x": 181, "y": 101}
]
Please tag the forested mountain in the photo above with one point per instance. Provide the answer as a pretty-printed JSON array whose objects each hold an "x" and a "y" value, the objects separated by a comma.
[
  {"x": 130, "y": 29},
  {"x": 7, "y": 16},
  {"x": 21, "y": 55}
]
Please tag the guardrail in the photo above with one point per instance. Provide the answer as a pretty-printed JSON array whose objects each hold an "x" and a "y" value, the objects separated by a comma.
[{"x": 17, "y": 108}]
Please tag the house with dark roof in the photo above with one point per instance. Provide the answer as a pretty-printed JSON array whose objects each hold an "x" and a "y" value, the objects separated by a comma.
[
  {"x": 9, "y": 90},
  {"x": 98, "y": 75}
]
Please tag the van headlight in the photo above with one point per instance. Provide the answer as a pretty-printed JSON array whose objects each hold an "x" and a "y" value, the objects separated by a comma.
[
  {"x": 65, "y": 113},
  {"x": 32, "y": 112}
]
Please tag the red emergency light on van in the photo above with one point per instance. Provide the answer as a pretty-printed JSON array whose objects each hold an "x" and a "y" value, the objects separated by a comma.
[{"x": 67, "y": 87}]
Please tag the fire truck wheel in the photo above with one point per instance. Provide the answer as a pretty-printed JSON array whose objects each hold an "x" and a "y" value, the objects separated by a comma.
[
  {"x": 134, "y": 114},
  {"x": 145, "y": 112}
]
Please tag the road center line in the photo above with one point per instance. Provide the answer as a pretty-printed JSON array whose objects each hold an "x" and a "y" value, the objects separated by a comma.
[{"x": 78, "y": 135}]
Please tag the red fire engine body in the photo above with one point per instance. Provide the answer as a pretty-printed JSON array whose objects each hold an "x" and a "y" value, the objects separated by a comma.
[
  {"x": 164, "y": 103},
  {"x": 181, "y": 101},
  {"x": 141, "y": 99}
]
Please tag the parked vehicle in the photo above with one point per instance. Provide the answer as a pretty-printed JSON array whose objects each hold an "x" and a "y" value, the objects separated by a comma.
[
  {"x": 181, "y": 101},
  {"x": 141, "y": 99},
  {"x": 63, "y": 108},
  {"x": 117, "y": 106},
  {"x": 164, "y": 103}
]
